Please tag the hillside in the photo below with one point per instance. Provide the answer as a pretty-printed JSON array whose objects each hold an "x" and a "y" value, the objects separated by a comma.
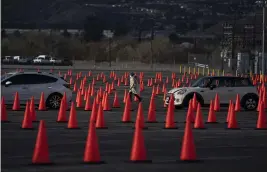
[
  {"x": 45, "y": 12},
  {"x": 71, "y": 14}
]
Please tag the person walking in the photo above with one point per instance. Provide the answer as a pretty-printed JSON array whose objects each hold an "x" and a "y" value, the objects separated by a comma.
[{"x": 133, "y": 86}]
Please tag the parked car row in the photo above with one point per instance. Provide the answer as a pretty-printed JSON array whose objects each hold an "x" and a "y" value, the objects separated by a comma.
[{"x": 39, "y": 60}]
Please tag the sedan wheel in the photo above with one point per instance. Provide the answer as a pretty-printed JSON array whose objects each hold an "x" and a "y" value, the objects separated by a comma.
[
  {"x": 54, "y": 101},
  {"x": 251, "y": 104}
]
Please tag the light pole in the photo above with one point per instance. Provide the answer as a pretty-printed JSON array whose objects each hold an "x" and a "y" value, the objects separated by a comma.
[
  {"x": 263, "y": 36},
  {"x": 151, "y": 41},
  {"x": 109, "y": 34},
  {"x": 263, "y": 4}
]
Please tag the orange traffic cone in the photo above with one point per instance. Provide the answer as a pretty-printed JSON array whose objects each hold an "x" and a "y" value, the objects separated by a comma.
[
  {"x": 27, "y": 120},
  {"x": 190, "y": 112},
  {"x": 100, "y": 121},
  {"x": 42, "y": 106},
  {"x": 261, "y": 122},
  {"x": 103, "y": 99},
  {"x": 66, "y": 101},
  {"x": 217, "y": 103},
  {"x": 93, "y": 112},
  {"x": 135, "y": 99},
  {"x": 91, "y": 152},
  {"x": 32, "y": 110},
  {"x": 138, "y": 151},
  {"x": 41, "y": 151},
  {"x": 229, "y": 111},
  {"x": 62, "y": 117},
  {"x": 211, "y": 116},
  {"x": 259, "y": 105},
  {"x": 194, "y": 102},
  {"x": 125, "y": 96},
  {"x": 237, "y": 103},
  {"x": 16, "y": 103},
  {"x": 169, "y": 120},
  {"x": 116, "y": 103},
  {"x": 140, "y": 121},
  {"x": 79, "y": 100},
  {"x": 75, "y": 87},
  {"x": 232, "y": 123},
  {"x": 73, "y": 124},
  {"x": 199, "y": 119},
  {"x": 126, "y": 118},
  {"x": 88, "y": 106},
  {"x": 106, "y": 106},
  {"x": 188, "y": 150},
  {"x": 151, "y": 118},
  {"x": 3, "y": 111}
]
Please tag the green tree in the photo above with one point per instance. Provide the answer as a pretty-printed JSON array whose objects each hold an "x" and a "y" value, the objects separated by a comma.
[
  {"x": 121, "y": 29},
  {"x": 5, "y": 47},
  {"x": 173, "y": 38},
  {"x": 17, "y": 33},
  {"x": 66, "y": 34}
]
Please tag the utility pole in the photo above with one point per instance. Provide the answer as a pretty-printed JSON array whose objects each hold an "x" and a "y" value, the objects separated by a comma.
[
  {"x": 263, "y": 4},
  {"x": 233, "y": 44},
  {"x": 109, "y": 34},
  {"x": 252, "y": 61},
  {"x": 151, "y": 45},
  {"x": 109, "y": 51},
  {"x": 263, "y": 37}
]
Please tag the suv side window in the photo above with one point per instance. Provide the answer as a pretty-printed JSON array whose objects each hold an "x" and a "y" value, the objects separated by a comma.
[
  {"x": 242, "y": 82},
  {"x": 222, "y": 82}
]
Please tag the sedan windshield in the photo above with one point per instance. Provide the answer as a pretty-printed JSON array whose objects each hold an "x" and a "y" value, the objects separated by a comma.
[{"x": 3, "y": 77}]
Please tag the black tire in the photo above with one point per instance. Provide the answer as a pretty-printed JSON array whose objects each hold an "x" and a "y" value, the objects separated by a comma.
[
  {"x": 53, "y": 101},
  {"x": 250, "y": 102},
  {"x": 190, "y": 96}
]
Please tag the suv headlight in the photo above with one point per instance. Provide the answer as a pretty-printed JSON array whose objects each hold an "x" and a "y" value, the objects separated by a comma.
[{"x": 181, "y": 91}]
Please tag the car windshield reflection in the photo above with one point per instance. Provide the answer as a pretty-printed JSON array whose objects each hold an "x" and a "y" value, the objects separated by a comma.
[{"x": 3, "y": 77}]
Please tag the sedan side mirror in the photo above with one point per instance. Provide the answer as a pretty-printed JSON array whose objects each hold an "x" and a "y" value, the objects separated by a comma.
[
  {"x": 212, "y": 87},
  {"x": 8, "y": 83}
]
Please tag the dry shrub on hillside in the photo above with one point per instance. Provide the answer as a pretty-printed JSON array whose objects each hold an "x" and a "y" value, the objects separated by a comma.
[{"x": 121, "y": 49}]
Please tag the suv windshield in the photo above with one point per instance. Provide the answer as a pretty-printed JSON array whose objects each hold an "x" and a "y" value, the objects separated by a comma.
[{"x": 202, "y": 82}]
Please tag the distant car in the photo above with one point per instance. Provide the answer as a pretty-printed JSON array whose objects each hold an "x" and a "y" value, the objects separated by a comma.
[
  {"x": 227, "y": 88},
  {"x": 8, "y": 60},
  {"x": 41, "y": 59},
  {"x": 24, "y": 60},
  {"x": 53, "y": 60},
  {"x": 29, "y": 84}
]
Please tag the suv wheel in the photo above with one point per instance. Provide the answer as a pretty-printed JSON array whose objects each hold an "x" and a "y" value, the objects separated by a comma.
[
  {"x": 250, "y": 102},
  {"x": 189, "y": 97},
  {"x": 54, "y": 100}
]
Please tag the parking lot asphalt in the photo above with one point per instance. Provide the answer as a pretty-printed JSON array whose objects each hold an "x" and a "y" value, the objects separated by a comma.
[{"x": 217, "y": 148}]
